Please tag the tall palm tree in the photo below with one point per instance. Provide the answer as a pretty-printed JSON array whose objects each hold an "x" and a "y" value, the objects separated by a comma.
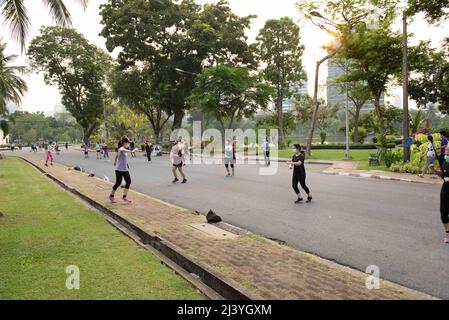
[
  {"x": 16, "y": 15},
  {"x": 12, "y": 86}
]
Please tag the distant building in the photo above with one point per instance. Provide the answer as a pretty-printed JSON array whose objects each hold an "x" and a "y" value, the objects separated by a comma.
[{"x": 334, "y": 94}]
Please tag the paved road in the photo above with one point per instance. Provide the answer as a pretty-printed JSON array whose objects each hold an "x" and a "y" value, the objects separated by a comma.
[{"x": 353, "y": 221}]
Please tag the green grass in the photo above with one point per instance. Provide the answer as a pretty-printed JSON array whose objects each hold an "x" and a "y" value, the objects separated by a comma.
[
  {"x": 332, "y": 155},
  {"x": 361, "y": 156},
  {"x": 44, "y": 230}
]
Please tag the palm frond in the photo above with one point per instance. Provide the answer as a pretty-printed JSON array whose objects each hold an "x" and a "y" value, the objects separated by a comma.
[
  {"x": 59, "y": 12},
  {"x": 16, "y": 15}
]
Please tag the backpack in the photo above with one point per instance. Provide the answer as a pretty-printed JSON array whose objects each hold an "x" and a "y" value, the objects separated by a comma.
[{"x": 212, "y": 217}]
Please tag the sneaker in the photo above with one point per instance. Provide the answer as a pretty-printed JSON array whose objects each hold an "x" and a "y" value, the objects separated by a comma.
[
  {"x": 112, "y": 199},
  {"x": 446, "y": 238},
  {"x": 184, "y": 181},
  {"x": 175, "y": 180},
  {"x": 228, "y": 175},
  {"x": 126, "y": 200},
  {"x": 299, "y": 200},
  {"x": 46, "y": 165},
  {"x": 309, "y": 199}
]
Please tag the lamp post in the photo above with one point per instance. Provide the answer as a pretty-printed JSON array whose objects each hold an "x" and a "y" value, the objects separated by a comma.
[
  {"x": 315, "y": 97},
  {"x": 406, "y": 123}
]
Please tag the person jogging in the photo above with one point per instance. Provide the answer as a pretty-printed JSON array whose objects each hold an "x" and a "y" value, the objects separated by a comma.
[
  {"x": 49, "y": 153},
  {"x": 177, "y": 160},
  {"x": 105, "y": 151},
  {"x": 86, "y": 150},
  {"x": 229, "y": 158},
  {"x": 133, "y": 150},
  {"x": 122, "y": 170},
  {"x": 299, "y": 174},
  {"x": 431, "y": 155},
  {"x": 148, "y": 150},
  {"x": 98, "y": 151},
  {"x": 266, "y": 151},
  {"x": 444, "y": 194}
]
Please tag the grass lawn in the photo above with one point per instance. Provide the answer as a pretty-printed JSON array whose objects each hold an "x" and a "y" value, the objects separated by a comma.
[
  {"x": 44, "y": 230},
  {"x": 360, "y": 156}
]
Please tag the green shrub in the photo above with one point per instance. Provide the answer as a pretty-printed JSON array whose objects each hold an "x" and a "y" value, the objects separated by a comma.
[{"x": 323, "y": 136}]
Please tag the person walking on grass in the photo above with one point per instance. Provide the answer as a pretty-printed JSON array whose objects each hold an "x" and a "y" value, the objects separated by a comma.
[
  {"x": 299, "y": 174},
  {"x": 266, "y": 151},
  {"x": 122, "y": 170},
  {"x": 229, "y": 158},
  {"x": 444, "y": 194},
  {"x": 177, "y": 160},
  {"x": 49, "y": 153},
  {"x": 431, "y": 155}
]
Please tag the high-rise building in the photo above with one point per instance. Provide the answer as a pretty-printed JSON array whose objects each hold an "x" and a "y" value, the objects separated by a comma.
[{"x": 288, "y": 104}]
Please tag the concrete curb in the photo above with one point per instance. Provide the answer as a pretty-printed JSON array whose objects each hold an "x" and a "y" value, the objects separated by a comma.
[
  {"x": 373, "y": 176},
  {"x": 226, "y": 288}
]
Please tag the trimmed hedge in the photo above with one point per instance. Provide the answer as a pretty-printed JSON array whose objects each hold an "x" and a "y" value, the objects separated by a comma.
[{"x": 342, "y": 146}]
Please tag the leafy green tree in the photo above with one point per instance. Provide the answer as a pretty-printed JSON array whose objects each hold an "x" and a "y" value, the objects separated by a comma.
[
  {"x": 15, "y": 14},
  {"x": 434, "y": 10},
  {"x": 30, "y": 136},
  {"x": 375, "y": 56},
  {"x": 326, "y": 114},
  {"x": 429, "y": 83},
  {"x": 270, "y": 121},
  {"x": 170, "y": 36},
  {"x": 78, "y": 68},
  {"x": 230, "y": 93},
  {"x": 12, "y": 86},
  {"x": 279, "y": 49},
  {"x": 144, "y": 92}
]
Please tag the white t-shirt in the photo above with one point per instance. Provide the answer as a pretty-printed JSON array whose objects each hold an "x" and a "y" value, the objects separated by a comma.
[
  {"x": 229, "y": 154},
  {"x": 431, "y": 152},
  {"x": 265, "y": 146},
  {"x": 174, "y": 154}
]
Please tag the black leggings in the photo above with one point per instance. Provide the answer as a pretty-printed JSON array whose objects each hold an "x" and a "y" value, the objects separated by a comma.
[
  {"x": 119, "y": 175},
  {"x": 227, "y": 165},
  {"x": 444, "y": 207},
  {"x": 301, "y": 178}
]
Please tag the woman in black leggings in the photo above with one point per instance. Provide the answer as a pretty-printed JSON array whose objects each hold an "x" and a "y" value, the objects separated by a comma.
[
  {"x": 299, "y": 174},
  {"x": 122, "y": 170},
  {"x": 444, "y": 195}
]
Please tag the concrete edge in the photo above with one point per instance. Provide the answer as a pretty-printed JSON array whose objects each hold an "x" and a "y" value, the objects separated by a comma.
[
  {"x": 374, "y": 176},
  {"x": 226, "y": 288}
]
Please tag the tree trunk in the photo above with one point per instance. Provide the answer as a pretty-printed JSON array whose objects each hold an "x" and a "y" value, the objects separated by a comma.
[
  {"x": 87, "y": 132},
  {"x": 280, "y": 118},
  {"x": 380, "y": 116},
  {"x": 317, "y": 105},
  {"x": 356, "y": 123},
  {"x": 177, "y": 120}
]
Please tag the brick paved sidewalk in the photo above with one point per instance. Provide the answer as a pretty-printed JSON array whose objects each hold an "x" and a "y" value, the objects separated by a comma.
[{"x": 262, "y": 267}]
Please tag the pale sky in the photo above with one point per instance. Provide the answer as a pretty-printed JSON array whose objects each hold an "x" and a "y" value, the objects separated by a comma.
[{"x": 41, "y": 97}]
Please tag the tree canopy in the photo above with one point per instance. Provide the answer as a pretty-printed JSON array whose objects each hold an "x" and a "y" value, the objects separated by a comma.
[{"x": 77, "y": 68}]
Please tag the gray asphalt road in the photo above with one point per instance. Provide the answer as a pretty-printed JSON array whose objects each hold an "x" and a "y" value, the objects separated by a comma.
[{"x": 355, "y": 222}]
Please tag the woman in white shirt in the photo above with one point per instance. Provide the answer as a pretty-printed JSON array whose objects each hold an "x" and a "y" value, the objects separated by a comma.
[
  {"x": 431, "y": 155},
  {"x": 177, "y": 160}
]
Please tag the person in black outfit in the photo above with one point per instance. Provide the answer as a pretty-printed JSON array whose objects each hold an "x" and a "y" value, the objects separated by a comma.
[
  {"x": 444, "y": 195},
  {"x": 299, "y": 174},
  {"x": 148, "y": 150}
]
